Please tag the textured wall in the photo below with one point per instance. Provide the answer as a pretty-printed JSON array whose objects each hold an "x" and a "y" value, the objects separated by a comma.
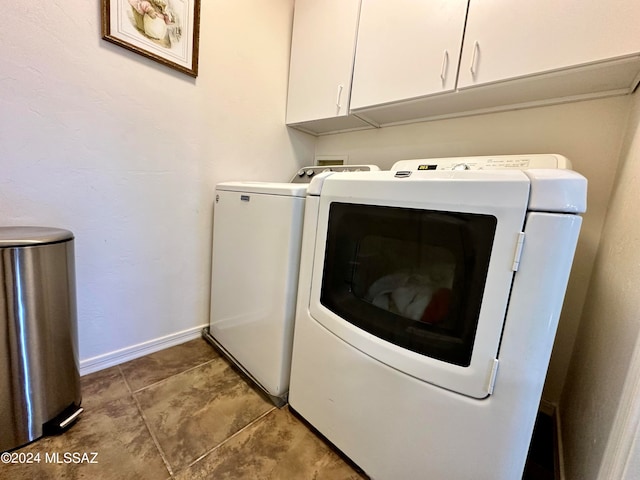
[
  {"x": 126, "y": 152},
  {"x": 609, "y": 332}
]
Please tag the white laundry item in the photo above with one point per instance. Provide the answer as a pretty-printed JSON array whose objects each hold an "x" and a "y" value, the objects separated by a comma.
[
  {"x": 386, "y": 285},
  {"x": 403, "y": 293}
]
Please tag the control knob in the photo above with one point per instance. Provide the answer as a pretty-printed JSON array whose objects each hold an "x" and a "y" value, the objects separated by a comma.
[{"x": 461, "y": 166}]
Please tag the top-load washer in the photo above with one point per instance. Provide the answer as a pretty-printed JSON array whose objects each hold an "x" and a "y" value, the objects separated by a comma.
[
  {"x": 257, "y": 238},
  {"x": 428, "y": 302}
]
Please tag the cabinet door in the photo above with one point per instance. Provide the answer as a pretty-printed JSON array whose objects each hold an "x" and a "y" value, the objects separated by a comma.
[
  {"x": 406, "y": 49},
  {"x": 507, "y": 39},
  {"x": 322, "y": 49}
]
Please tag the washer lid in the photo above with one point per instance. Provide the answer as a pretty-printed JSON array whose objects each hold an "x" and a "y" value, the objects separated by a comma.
[
  {"x": 29, "y": 236},
  {"x": 267, "y": 188}
]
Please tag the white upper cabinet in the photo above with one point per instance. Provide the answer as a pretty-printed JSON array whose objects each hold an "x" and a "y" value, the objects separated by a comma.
[
  {"x": 426, "y": 59},
  {"x": 322, "y": 50},
  {"x": 507, "y": 39},
  {"x": 406, "y": 49}
]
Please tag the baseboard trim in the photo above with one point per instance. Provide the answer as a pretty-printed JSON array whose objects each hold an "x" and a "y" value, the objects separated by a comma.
[
  {"x": 558, "y": 451},
  {"x": 552, "y": 410},
  {"x": 117, "y": 357},
  {"x": 547, "y": 407}
]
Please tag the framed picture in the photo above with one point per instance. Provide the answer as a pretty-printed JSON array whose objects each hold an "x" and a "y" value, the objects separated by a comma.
[{"x": 166, "y": 31}]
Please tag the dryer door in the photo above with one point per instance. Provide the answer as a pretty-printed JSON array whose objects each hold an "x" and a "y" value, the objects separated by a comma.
[{"x": 418, "y": 277}]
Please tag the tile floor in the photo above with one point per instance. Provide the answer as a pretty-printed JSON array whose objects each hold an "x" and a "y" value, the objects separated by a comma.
[
  {"x": 181, "y": 413},
  {"x": 184, "y": 413}
]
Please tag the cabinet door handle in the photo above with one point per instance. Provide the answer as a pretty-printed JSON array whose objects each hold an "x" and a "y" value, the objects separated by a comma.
[
  {"x": 476, "y": 49},
  {"x": 445, "y": 65},
  {"x": 339, "y": 96}
]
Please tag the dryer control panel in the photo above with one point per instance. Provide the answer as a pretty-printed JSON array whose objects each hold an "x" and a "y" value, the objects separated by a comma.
[
  {"x": 306, "y": 174},
  {"x": 495, "y": 162}
]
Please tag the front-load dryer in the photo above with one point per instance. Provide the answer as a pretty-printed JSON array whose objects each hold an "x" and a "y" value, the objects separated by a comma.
[
  {"x": 428, "y": 302},
  {"x": 257, "y": 238}
]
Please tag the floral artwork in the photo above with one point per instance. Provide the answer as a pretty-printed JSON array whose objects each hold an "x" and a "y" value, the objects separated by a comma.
[
  {"x": 156, "y": 20},
  {"x": 164, "y": 30}
]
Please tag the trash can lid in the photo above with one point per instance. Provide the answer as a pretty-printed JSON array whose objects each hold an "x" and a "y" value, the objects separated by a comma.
[{"x": 26, "y": 236}]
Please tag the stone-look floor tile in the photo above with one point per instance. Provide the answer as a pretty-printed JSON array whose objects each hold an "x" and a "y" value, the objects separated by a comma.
[
  {"x": 157, "y": 366},
  {"x": 115, "y": 431},
  {"x": 278, "y": 446},
  {"x": 193, "y": 412},
  {"x": 102, "y": 387}
]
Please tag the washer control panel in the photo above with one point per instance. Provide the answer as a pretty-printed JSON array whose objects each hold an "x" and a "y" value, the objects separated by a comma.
[{"x": 305, "y": 174}]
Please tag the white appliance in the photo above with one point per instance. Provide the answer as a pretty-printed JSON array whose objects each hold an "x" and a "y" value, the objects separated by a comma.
[
  {"x": 428, "y": 302},
  {"x": 256, "y": 252}
]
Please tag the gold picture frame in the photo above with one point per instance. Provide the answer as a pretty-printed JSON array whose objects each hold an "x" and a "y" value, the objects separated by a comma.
[{"x": 166, "y": 31}]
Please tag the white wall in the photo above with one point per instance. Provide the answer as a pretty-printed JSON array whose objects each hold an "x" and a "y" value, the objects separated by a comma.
[
  {"x": 589, "y": 133},
  {"x": 126, "y": 152},
  {"x": 600, "y": 404}
]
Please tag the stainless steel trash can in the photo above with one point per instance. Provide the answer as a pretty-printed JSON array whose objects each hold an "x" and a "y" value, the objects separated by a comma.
[{"x": 39, "y": 377}]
